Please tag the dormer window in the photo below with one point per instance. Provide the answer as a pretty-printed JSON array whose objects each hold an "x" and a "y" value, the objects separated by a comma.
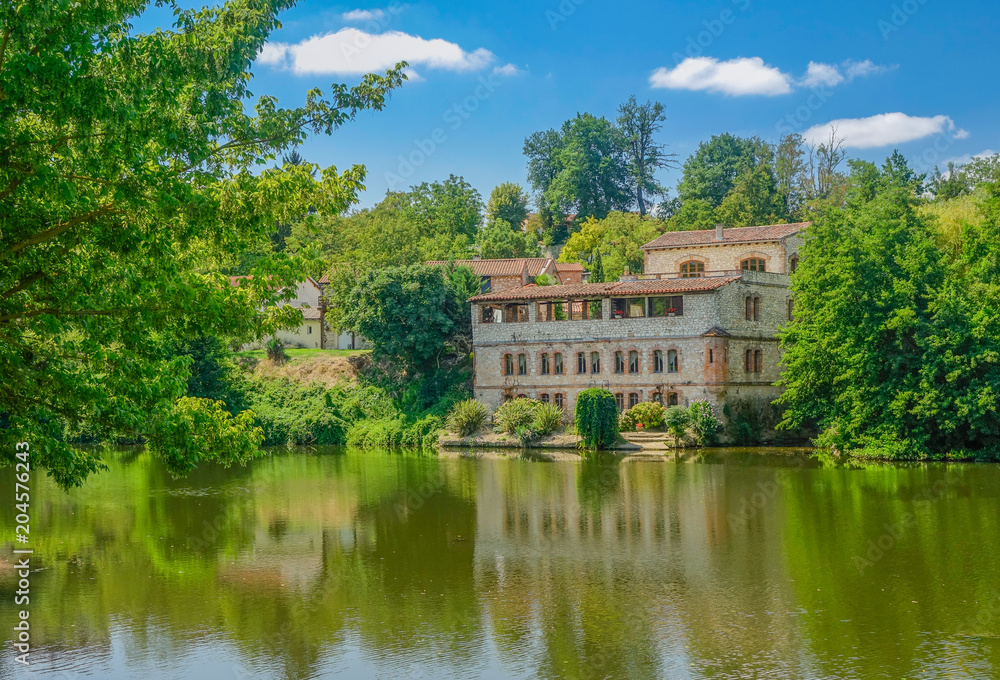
[
  {"x": 753, "y": 264},
  {"x": 692, "y": 269}
]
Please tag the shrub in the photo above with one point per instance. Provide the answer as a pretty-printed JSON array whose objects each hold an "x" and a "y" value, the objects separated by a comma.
[
  {"x": 748, "y": 420},
  {"x": 704, "y": 422},
  {"x": 676, "y": 418},
  {"x": 467, "y": 417},
  {"x": 596, "y": 418},
  {"x": 548, "y": 418},
  {"x": 423, "y": 432},
  {"x": 513, "y": 414},
  {"x": 626, "y": 421},
  {"x": 648, "y": 414},
  {"x": 276, "y": 351}
]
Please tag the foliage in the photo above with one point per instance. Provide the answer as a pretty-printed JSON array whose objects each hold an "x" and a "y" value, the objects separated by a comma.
[
  {"x": 131, "y": 175},
  {"x": 467, "y": 417},
  {"x": 499, "y": 239},
  {"x": 508, "y": 202},
  {"x": 212, "y": 373},
  {"x": 548, "y": 418},
  {"x": 704, "y": 424},
  {"x": 638, "y": 124},
  {"x": 617, "y": 240},
  {"x": 711, "y": 173},
  {"x": 747, "y": 420},
  {"x": 275, "y": 350},
  {"x": 596, "y": 418},
  {"x": 647, "y": 413},
  {"x": 626, "y": 421},
  {"x": 514, "y": 414},
  {"x": 676, "y": 420},
  {"x": 445, "y": 215}
]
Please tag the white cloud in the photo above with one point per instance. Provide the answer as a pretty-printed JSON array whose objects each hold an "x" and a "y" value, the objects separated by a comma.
[
  {"x": 363, "y": 15},
  {"x": 350, "y": 51},
  {"x": 822, "y": 74},
  {"x": 507, "y": 70},
  {"x": 884, "y": 129},
  {"x": 737, "y": 77},
  {"x": 861, "y": 69},
  {"x": 965, "y": 159}
]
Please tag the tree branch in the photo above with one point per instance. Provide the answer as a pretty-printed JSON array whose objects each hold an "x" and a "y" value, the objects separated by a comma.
[
  {"x": 51, "y": 233},
  {"x": 24, "y": 283}
]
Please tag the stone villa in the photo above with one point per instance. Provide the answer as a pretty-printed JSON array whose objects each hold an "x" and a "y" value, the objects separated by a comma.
[{"x": 701, "y": 323}]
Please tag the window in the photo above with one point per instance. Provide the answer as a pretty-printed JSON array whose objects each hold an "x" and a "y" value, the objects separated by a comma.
[
  {"x": 793, "y": 263},
  {"x": 558, "y": 363},
  {"x": 619, "y": 362},
  {"x": 672, "y": 399},
  {"x": 508, "y": 364},
  {"x": 553, "y": 311},
  {"x": 309, "y": 330},
  {"x": 749, "y": 308},
  {"x": 485, "y": 284},
  {"x": 667, "y": 306},
  {"x": 657, "y": 361},
  {"x": 692, "y": 269},
  {"x": 758, "y": 361},
  {"x": 633, "y": 362},
  {"x": 748, "y": 363},
  {"x": 633, "y": 399},
  {"x": 620, "y": 401},
  {"x": 628, "y": 308},
  {"x": 672, "y": 361},
  {"x": 756, "y": 309},
  {"x": 515, "y": 313},
  {"x": 491, "y": 315},
  {"x": 595, "y": 362},
  {"x": 752, "y": 308},
  {"x": 545, "y": 364},
  {"x": 658, "y": 397},
  {"x": 753, "y": 264},
  {"x": 559, "y": 400},
  {"x": 544, "y": 398},
  {"x": 581, "y": 362},
  {"x": 522, "y": 364},
  {"x": 791, "y": 309},
  {"x": 596, "y": 309}
]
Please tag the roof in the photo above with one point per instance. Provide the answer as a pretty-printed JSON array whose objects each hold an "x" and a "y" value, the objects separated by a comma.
[
  {"x": 769, "y": 232},
  {"x": 310, "y": 312},
  {"x": 324, "y": 279},
  {"x": 569, "y": 267},
  {"x": 594, "y": 290},
  {"x": 513, "y": 266},
  {"x": 536, "y": 265}
]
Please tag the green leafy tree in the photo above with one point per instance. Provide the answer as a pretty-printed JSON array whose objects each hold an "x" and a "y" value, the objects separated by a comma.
[
  {"x": 508, "y": 202},
  {"x": 500, "y": 239},
  {"x": 754, "y": 199},
  {"x": 130, "y": 175},
  {"x": 639, "y": 123},
  {"x": 596, "y": 418},
  {"x": 446, "y": 215},
  {"x": 712, "y": 171},
  {"x": 617, "y": 239}
]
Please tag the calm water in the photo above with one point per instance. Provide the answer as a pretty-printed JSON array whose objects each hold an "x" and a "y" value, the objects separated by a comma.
[{"x": 321, "y": 564}]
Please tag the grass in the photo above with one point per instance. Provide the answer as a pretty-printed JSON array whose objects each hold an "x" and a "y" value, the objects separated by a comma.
[{"x": 305, "y": 353}]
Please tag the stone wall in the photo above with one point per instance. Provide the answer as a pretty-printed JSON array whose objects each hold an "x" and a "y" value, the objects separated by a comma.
[{"x": 724, "y": 256}]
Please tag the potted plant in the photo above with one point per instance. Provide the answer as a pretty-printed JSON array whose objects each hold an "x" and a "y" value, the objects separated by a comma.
[{"x": 672, "y": 311}]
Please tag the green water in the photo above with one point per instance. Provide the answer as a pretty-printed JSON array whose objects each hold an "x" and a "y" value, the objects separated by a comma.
[{"x": 317, "y": 564}]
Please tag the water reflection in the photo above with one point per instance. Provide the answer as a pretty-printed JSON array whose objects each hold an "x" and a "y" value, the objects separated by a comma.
[{"x": 721, "y": 564}]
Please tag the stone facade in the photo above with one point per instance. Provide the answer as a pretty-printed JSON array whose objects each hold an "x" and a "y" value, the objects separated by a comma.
[{"x": 719, "y": 344}]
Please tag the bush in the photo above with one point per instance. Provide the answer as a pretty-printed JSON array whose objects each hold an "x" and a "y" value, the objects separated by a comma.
[
  {"x": 596, "y": 418},
  {"x": 676, "y": 418},
  {"x": 276, "y": 351},
  {"x": 626, "y": 421},
  {"x": 548, "y": 418},
  {"x": 513, "y": 414},
  {"x": 704, "y": 423},
  {"x": 467, "y": 417},
  {"x": 648, "y": 414}
]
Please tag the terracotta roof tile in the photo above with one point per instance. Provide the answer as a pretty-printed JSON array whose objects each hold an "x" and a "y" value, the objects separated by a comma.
[
  {"x": 504, "y": 267},
  {"x": 597, "y": 290},
  {"x": 569, "y": 267},
  {"x": 310, "y": 312},
  {"x": 680, "y": 239}
]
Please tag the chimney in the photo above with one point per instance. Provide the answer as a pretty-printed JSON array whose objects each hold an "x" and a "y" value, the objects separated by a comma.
[
  {"x": 718, "y": 232},
  {"x": 627, "y": 276},
  {"x": 476, "y": 257}
]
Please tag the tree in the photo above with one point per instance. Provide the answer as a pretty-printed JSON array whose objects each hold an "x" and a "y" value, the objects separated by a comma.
[
  {"x": 638, "y": 124},
  {"x": 499, "y": 239},
  {"x": 409, "y": 314},
  {"x": 129, "y": 174},
  {"x": 711, "y": 172},
  {"x": 790, "y": 174},
  {"x": 617, "y": 240},
  {"x": 596, "y": 418},
  {"x": 754, "y": 199},
  {"x": 508, "y": 202},
  {"x": 446, "y": 215}
]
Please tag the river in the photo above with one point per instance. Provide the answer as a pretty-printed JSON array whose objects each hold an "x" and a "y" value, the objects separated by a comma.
[{"x": 320, "y": 563}]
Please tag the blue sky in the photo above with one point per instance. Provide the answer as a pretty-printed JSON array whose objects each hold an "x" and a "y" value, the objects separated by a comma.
[{"x": 488, "y": 75}]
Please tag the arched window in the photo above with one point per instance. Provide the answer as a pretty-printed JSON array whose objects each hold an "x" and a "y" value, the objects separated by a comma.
[
  {"x": 657, "y": 361},
  {"x": 522, "y": 364},
  {"x": 672, "y": 361},
  {"x": 692, "y": 269},
  {"x": 545, "y": 364},
  {"x": 752, "y": 308},
  {"x": 633, "y": 362},
  {"x": 658, "y": 397},
  {"x": 558, "y": 363},
  {"x": 581, "y": 362},
  {"x": 508, "y": 364},
  {"x": 756, "y": 309},
  {"x": 672, "y": 399},
  {"x": 791, "y": 309},
  {"x": 753, "y": 264},
  {"x": 619, "y": 362},
  {"x": 793, "y": 263}
]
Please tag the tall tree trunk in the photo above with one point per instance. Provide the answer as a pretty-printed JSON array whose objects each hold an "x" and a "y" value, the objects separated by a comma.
[{"x": 642, "y": 204}]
